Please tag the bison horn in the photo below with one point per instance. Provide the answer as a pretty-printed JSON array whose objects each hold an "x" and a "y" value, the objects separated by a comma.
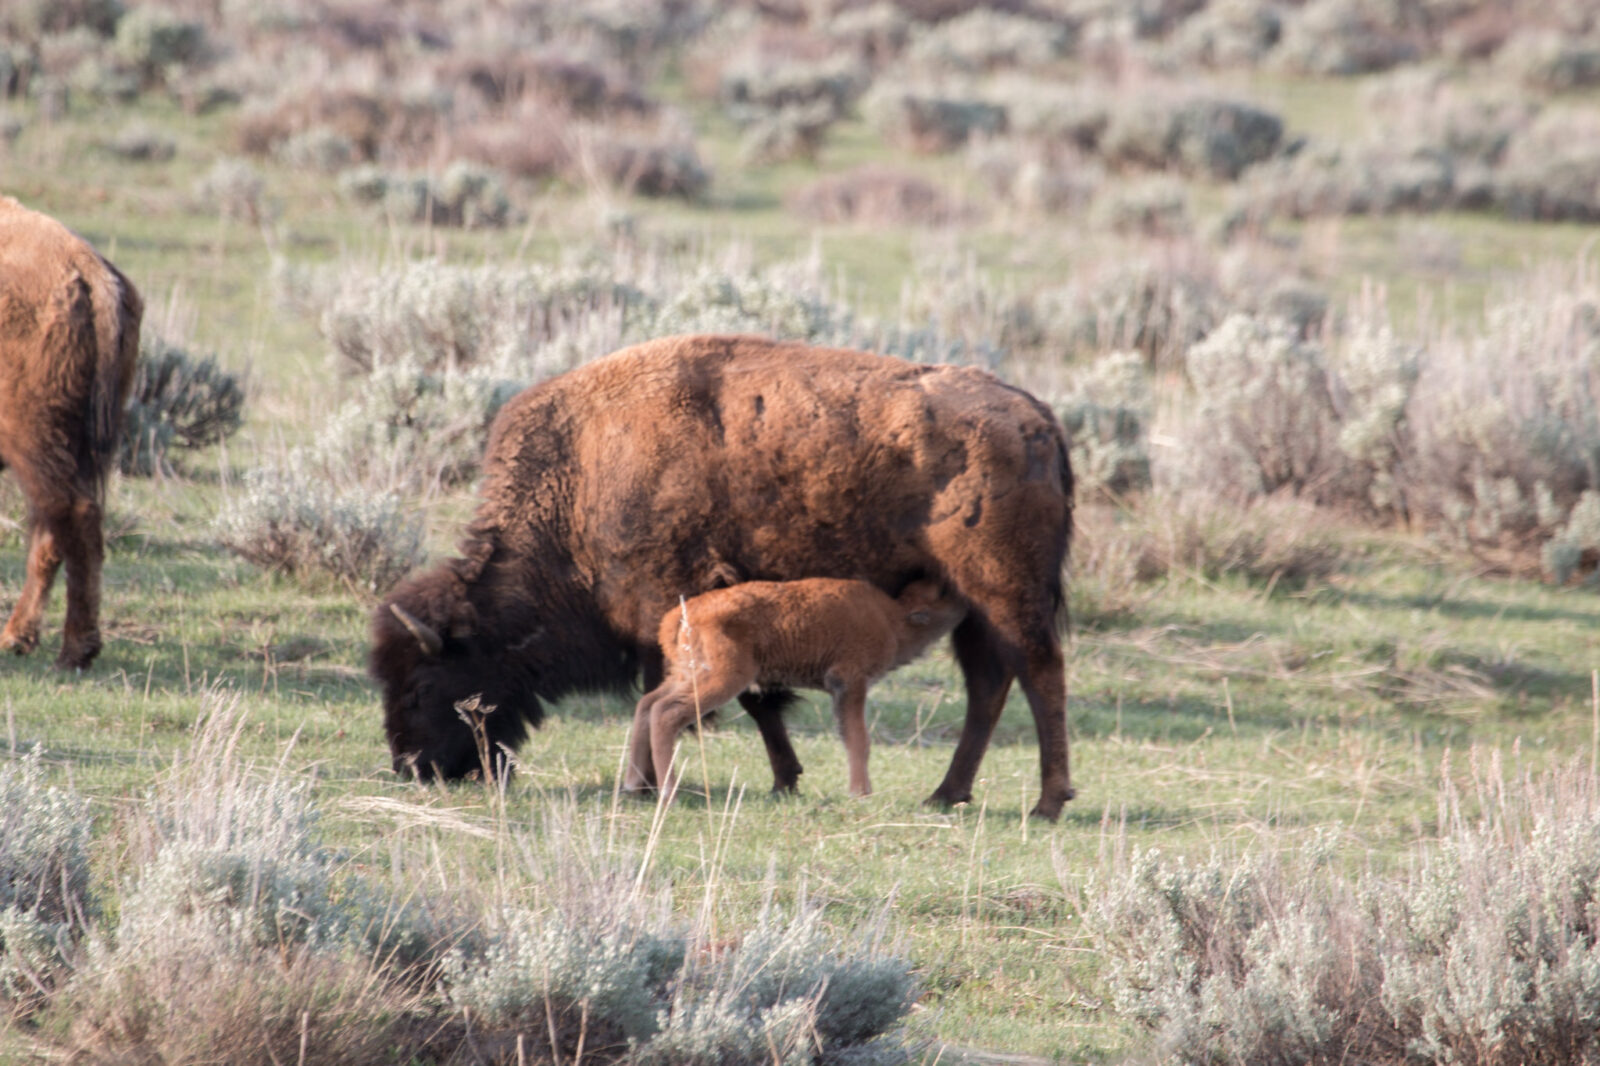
[{"x": 430, "y": 641}]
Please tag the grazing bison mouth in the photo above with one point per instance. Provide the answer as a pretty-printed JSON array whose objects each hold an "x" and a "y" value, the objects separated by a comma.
[{"x": 458, "y": 712}]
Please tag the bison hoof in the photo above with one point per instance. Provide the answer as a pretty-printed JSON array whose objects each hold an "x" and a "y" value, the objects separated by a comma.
[
  {"x": 1049, "y": 810},
  {"x": 941, "y": 798},
  {"x": 78, "y": 652},
  {"x": 19, "y": 643}
]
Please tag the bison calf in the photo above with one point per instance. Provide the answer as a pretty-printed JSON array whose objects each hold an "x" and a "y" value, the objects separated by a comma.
[
  {"x": 823, "y": 633},
  {"x": 69, "y": 337}
]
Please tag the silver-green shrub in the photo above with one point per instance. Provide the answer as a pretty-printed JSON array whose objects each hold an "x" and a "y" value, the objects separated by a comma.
[
  {"x": 465, "y": 194},
  {"x": 1566, "y": 552},
  {"x": 1154, "y": 206},
  {"x": 233, "y": 189},
  {"x": 140, "y": 143},
  {"x": 319, "y": 148},
  {"x": 757, "y": 84},
  {"x": 1374, "y": 374},
  {"x": 426, "y": 428},
  {"x": 1484, "y": 951},
  {"x": 158, "y": 43},
  {"x": 1154, "y": 307},
  {"x": 436, "y": 316},
  {"x": 1201, "y": 135},
  {"x": 606, "y": 977},
  {"x": 1234, "y": 960},
  {"x": 1503, "y": 428},
  {"x": 1263, "y": 418},
  {"x": 984, "y": 39},
  {"x": 1346, "y": 37},
  {"x": 930, "y": 119},
  {"x": 1228, "y": 33},
  {"x": 784, "y": 994},
  {"x": 44, "y": 837},
  {"x": 295, "y": 519},
  {"x": 177, "y": 402},
  {"x": 1106, "y": 413},
  {"x": 44, "y": 877},
  {"x": 1552, "y": 60}
]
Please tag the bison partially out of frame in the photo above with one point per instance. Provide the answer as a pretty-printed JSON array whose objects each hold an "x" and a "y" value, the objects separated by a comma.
[
  {"x": 69, "y": 338},
  {"x": 690, "y": 463},
  {"x": 819, "y": 632}
]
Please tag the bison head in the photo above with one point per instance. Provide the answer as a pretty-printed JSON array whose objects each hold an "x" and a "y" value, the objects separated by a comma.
[{"x": 432, "y": 660}]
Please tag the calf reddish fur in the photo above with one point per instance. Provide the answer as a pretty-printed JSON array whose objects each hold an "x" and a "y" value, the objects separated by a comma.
[
  {"x": 820, "y": 632},
  {"x": 682, "y": 465},
  {"x": 69, "y": 338}
]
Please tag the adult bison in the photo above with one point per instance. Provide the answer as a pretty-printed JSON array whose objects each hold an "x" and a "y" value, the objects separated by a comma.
[
  {"x": 69, "y": 337},
  {"x": 684, "y": 464}
]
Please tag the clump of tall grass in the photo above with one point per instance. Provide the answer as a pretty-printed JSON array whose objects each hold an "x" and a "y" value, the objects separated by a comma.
[
  {"x": 1481, "y": 950},
  {"x": 240, "y": 935}
]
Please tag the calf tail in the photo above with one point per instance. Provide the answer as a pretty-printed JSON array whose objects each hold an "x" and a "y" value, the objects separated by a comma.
[{"x": 118, "y": 314}]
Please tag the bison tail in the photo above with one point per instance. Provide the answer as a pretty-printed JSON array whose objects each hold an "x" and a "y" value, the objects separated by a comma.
[
  {"x": 118, "y": 314},
  {"x": 1058, "y": 590}
]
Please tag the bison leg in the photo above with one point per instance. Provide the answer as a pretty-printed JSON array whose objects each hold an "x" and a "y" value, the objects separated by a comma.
[
  {"x": 850, "y": 708},
  {"x": 1044, "y": 682},
  {"x": 767, "y": 708},
  {"x": 21, "y": 633},
  {"x": 984, "y": 664},
  {"x": 82, "y": 546}
]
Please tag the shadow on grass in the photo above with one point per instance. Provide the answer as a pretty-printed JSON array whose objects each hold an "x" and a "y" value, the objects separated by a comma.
[{"x": 1474, "y": 610}]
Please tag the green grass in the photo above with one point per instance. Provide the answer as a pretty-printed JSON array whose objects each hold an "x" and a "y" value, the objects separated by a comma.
[{"x": 1222, "y": 715}]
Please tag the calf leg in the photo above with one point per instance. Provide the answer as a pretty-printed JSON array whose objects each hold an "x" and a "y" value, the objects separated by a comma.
[
  {"x": 641, "y": 772},
  {"x": 850, "y": 708},
  {"x": 983, "y": 662},
  {"x": 673, "y": 712}
]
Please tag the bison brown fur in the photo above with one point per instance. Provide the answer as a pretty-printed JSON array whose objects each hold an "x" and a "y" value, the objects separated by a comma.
[
  {"x": 69, "y": 339},
  {"x": 824, "y": 633},
  {"x": 682, "y": 465}
]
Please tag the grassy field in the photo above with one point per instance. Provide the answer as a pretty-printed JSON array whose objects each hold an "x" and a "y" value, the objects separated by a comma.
[{"x": 1210, "y": 713}]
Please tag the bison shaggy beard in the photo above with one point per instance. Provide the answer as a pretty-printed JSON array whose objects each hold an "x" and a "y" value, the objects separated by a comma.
[{"x": 687, "y": 464}]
